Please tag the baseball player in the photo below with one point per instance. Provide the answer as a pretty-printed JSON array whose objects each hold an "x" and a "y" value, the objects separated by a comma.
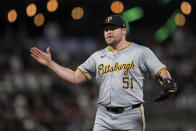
[{"x": 119, "y": 69}]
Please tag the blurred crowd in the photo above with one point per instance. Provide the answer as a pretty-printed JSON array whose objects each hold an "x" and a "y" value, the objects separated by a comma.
[{"x": 32, "y": 98}]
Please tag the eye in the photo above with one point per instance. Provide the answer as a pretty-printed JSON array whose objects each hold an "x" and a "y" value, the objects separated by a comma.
[{"x": 106, "y": 30}]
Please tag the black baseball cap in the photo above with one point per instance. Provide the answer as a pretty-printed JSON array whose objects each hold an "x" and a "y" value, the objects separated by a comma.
[{"x": 116, "y": 20}]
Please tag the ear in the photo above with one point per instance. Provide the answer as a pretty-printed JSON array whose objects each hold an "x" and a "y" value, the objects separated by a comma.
[{"x": 124, "y": 31}]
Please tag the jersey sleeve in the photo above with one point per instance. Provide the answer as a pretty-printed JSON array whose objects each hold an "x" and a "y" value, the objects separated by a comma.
[
  {"x": 88, "y": 68},
  {"x": 151, "y": 64}
]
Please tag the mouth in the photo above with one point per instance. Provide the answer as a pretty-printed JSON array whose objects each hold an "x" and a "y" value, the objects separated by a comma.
[{"x": 109, "y": 37}]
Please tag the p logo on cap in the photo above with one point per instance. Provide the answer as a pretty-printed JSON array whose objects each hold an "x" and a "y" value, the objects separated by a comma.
[
  {"x": 116, "y": 20},
  {"x": 109, "y": 18}
]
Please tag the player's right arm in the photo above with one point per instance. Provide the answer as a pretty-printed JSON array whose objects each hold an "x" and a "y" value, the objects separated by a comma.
[{"x": 44, "y": 58}]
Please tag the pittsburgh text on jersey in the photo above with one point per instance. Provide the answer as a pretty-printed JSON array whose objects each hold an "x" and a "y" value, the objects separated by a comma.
[{"x": 103, "y": 69}]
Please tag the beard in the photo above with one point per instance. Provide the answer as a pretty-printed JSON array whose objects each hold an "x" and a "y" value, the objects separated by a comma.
[{"x": 112, "y": 40}]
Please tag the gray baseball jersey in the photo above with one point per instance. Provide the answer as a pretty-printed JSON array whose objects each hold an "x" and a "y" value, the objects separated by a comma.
[{"x": 120, "y": 74}]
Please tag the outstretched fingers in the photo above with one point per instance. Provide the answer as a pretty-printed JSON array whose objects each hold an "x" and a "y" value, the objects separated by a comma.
[
  {"x": 37, "y": 52},
  {"x": 34, "y": 52},
  {"x": 34, "y": 56}
]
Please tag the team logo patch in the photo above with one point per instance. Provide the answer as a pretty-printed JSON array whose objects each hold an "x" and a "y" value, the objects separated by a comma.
[{"x": 109, "y": 18}]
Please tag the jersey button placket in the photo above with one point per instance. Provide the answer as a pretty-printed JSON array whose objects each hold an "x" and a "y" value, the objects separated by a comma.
[
  {"x": 111, "y": 88},
  {"x": 113, "y": 80}
]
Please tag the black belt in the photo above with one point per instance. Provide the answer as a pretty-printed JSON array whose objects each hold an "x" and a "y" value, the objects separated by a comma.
[{"x": 118, "y": 110}]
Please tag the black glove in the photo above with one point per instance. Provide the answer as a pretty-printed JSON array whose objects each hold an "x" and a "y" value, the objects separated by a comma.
[{"x": 169, "y": 89}]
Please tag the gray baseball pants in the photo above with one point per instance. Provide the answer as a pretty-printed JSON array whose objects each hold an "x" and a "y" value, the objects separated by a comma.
[{"x": 129, "y": 120}]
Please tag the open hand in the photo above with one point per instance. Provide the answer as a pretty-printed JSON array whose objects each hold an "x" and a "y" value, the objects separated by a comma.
[{"x": 41, "y": 57}]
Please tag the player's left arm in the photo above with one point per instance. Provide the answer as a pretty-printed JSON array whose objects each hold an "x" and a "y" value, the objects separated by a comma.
[
  {"x": 168, "y": 85},
  {"x": 150, "y": 63}
]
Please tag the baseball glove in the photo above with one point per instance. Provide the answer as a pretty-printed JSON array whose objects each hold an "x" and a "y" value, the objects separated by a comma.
[{"x": 169, "y": 89}]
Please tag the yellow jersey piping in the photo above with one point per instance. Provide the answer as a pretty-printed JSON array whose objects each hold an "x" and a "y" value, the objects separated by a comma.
[
  {"x": 88, "y": 77},
  {"x": 120, "y": 49},
  {"x": 141, "y": 115},
  {"x": 163, "y": 68}
]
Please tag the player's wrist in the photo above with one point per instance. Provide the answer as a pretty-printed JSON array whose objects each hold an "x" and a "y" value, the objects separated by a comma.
[{"x": 49, "y": 63}]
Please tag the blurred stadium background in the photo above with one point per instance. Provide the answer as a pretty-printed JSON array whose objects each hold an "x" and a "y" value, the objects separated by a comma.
[{"x": 33, "y": 99}]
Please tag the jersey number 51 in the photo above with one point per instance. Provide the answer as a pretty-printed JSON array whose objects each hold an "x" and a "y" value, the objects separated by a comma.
[{"x": 126, "y": 82}]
